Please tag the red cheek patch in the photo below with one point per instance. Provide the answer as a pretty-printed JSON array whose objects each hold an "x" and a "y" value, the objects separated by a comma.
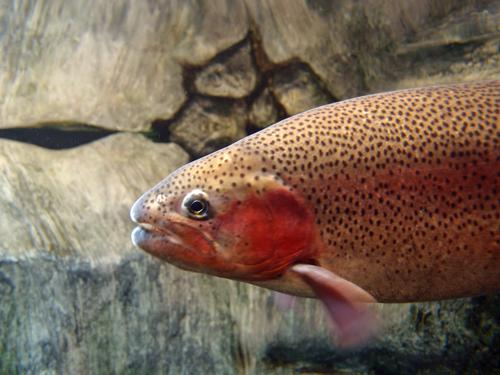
[
  {"x": 293, "y": 222},
  {"x": 270, "y": 231}
]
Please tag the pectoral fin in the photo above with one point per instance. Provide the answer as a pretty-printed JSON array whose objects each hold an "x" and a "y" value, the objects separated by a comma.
[{"x": 346, "y": 303}]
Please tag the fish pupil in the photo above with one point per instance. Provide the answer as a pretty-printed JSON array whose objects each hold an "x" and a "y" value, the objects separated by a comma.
[{"x": 197, "y": 206}]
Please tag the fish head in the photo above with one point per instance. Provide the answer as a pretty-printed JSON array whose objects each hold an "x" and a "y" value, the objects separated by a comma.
[{"x": 227, "y": 215}]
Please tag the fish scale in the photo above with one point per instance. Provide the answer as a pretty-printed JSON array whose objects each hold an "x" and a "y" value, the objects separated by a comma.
[
  {"x": 393, "y": 178},
  {"x": 397, "y": 193}
]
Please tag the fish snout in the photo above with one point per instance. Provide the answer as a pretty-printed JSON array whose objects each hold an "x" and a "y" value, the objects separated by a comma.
[
  {"x": 137, "y": 211},
  {"x": 152, "y": 225},
  {"x": 138, "y": 216}
]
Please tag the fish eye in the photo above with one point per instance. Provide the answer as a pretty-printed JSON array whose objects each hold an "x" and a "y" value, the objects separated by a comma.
[
  {"x": 195, "y": 204},
  {"x": 196, "y": 207}
]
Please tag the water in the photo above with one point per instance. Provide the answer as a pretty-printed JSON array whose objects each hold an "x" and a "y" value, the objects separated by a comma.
[{"x": 100, "y": 103}]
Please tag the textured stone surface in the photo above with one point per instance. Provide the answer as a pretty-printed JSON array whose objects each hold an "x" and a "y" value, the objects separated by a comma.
[
  {"x": 231, "y": 75},
  {"x": 263, "y": 111},
  {"x": 115, "y": 64},
  {"x": 366, "y": 46},
  {"x": 76, "y": 201},
  {"x": 138, "y": 315},
  {"x": 207, "y": 125},
  {"x": 297, "y": 90},
  {"x": 64, "y": 315},
  {"x": 475, "y": 64},
  {"x": 121, "y": 65},
  {"x": 448, "y": 337}
]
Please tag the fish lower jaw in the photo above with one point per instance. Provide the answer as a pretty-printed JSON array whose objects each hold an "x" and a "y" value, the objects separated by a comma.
[
  {"x": 145, "y": 231},
  {"x": 136, "y": 236}
]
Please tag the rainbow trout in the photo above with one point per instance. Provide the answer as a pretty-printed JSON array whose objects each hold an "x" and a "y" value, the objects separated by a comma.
[{"x": 393, "y": 197}]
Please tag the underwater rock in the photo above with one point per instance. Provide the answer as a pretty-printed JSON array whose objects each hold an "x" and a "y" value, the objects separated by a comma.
[
  {"x": 446, "y": 337},
  {"x": 263, "y": 111},
  {"x": 206, "y": 125},
  {"x": 76, "y": 296},
  {"x": 115, "y": 64},
  {"x": 76, "y": 201},
  {"x": 139, "y": 315},
  {"x": 68, "y": 315},
  {"x": 358, "y": 47},
  {"x": 232, "y": 75},
  {"x": 121, "y": 65},
  {"x": 297, "y": 90},
  {"x": 476, "y": 64}
]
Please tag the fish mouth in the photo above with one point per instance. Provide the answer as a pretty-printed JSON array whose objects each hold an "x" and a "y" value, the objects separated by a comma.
[
  {"x": 170, "y": 237},
  {"x": 182, "y": 245},
  {"x": 145, "y": 232}
]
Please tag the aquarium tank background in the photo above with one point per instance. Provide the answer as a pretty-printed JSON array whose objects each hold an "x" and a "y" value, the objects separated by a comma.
[{"x": 101, "y": 100}]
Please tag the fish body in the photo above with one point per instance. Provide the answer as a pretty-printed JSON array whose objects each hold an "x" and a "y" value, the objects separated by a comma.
[{"x": 396, "y": 194}]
